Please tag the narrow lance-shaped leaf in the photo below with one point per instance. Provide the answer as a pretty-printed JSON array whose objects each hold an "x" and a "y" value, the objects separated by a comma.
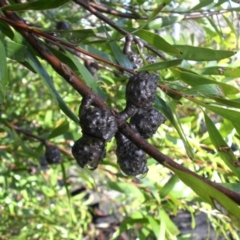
[
  {"x": 194, "y": 79},
  {"x": 229, "y": 114},
  {"x": 224, "y": 71},
  {"x": 36, "y": 65},
  {"x": 59, "y": 130},
  {"x": 3, "y": 71},
  {"x": 160, "y": 65},
  {"x": 211, "y": 195},
  {"x": 202, "y": 54},
  {"x": 157, "y": 41},
  {"x": 164, "y": 21},
  {"x": 168, "y": 112},
  {"x": 15, "y": 51},
  {"x": 156, "y": 11},
  {"x": 223, "y": 149},
  {"x": 203, "y": 3},
  {"x": 170, "y": 226},
  {"x": 206, "y": 90},
  {"x": 87, "y": 76}
]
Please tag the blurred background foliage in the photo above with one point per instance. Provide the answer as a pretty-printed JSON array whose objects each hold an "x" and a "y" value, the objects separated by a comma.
[{"x": 39, "y": 200}]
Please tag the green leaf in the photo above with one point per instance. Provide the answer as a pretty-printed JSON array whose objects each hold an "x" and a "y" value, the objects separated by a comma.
[
  {"x": 170, "y": 226},
  {"x": 160, "y": 65},
  {"x": 203, "y": 3},
  {"x": 3, "y": 72},
  {"x": 214, "y": 26},
  {"x": 210, "y": 194},
  {"x": 154, "y": 225},
  {"x": 36, "y": 65},
  {"x": 153, "y": 15},
  {"x": 223, "y": 149},
  {"x": 120, "y": 57},
  {"x": 224, "y": 71},
  {"x": 5, "y": 29},
  {"x": 168, "y": 112},
  {"x": 194, "y": 79},
  {"x": 36, "y": 5},
  {"x": 202, "y": 54},
  {"x": 168, "y": 187},
  {"x": 128, "y": 189},
  {"x": 15, "y": 51},
  {"x": 164, "y": 21},
  {"x": 158, "y": 42},
  {"x": 87, "y": 76},
  {"x": 59, "y": 130},
  {"x": 76, "y": 36},
  {"x": 3, "y": 62},
  {"x": 229, "y": 114},
  {"x": 206, "y": 89},
  {"x": 229, "y": 103},
  {"x": 235, "y": 187}
]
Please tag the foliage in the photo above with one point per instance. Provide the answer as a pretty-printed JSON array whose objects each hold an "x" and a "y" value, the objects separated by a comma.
[{"x": 196, "y": 46}]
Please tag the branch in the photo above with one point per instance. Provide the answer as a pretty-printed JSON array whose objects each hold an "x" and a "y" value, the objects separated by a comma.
[
  {"x": 86, "y": 5},
  {"x": 40, "y": 139},
  {"x": 68, "y": 74},
  {"x": 115, "y": 12},
  {"x": 25, "y": 27}
]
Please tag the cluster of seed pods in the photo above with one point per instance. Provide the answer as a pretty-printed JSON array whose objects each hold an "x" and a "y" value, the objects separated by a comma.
[
  {"x": 145, "y": 120},
  {"x": 98, "y": 127}
]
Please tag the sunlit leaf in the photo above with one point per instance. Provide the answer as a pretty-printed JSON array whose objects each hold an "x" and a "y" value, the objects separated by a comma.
[
  {"x": 168, "y": 112},
  {"x": 59, "y": 130},
  {"x": 33, "y": 61},
  {"x": 87, "y": 76},
  {"x": 211, "y": 195},
  {"x": 158, "y": 42},
  {"x": 164, "y": 21},
  {"x": 196, "y": 80},
  {"x": 206, "y": 89},
  {"x": 202, "y": 54},
  {"x": 225, "y": 71},
  {"x": 223, "y": 149},
  {"x": 160, "y": 65}
]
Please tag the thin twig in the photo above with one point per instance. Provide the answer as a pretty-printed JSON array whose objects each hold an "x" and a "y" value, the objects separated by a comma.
[
  {"x": 115, "y": 12},
  {"x": 87, "y": 6},
  {"x": 25, "y": 27}
]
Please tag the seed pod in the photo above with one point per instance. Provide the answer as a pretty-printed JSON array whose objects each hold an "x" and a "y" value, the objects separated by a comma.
[
  {"x": 151, "y": 59},
  {"x": 131, "y": 159},
  {"x": 89, "y": 151},
  {"x": 147, "y": 121},
  {"x": 52, "y": 154},
  {"x": 135, "y": 59},
  {"x": 141, "y": 89},
  {"x": 99, "y": 123}
]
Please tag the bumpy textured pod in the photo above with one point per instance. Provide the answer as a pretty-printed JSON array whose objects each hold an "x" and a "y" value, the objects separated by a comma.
[
  {"x": 141, "y": 89},
  {"x": 99, "y": 123},
  {"x": 151, "y": 59},
  {"x": 147, "y": 121},
  {"x": 137, "y": 61},
  {"x": 52, "y": 154},
  {"x": 89, "y": 151},
  {"x": 132, "y": 160}
]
